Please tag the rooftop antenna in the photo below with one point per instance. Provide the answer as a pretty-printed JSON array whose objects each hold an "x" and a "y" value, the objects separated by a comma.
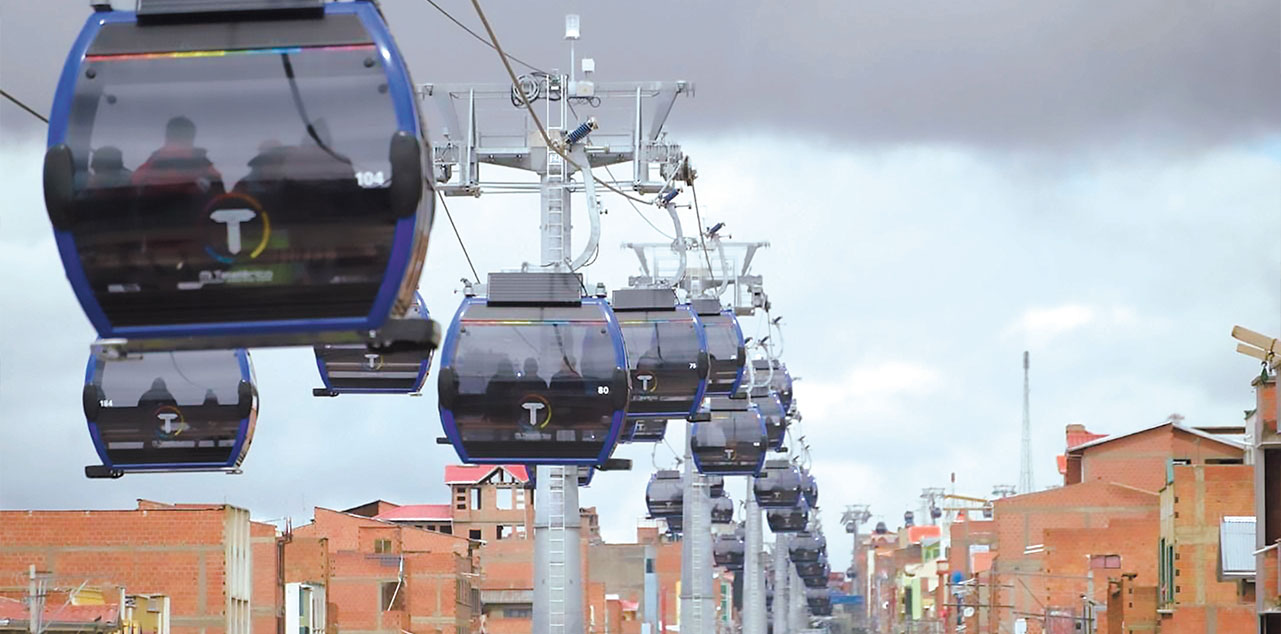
[{"x": 1025, "y": 461}]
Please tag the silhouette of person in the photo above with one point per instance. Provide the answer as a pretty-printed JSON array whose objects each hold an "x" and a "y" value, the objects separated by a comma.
[
  {"x": 109, "y": 171},
  {"x": 499, "y": 389},
  {"x": 266, "y": 173},
  {"x": 179, "y": 164},
  {"x": 157, "y": 394}
]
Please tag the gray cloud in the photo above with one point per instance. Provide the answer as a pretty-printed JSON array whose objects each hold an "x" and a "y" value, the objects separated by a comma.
[{"x": 1036, "y": 76}]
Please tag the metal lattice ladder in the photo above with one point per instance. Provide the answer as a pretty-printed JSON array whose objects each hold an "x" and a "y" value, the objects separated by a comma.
[
  {"x": 556, "y": 542},
  {"x": 555, "y": 229}
]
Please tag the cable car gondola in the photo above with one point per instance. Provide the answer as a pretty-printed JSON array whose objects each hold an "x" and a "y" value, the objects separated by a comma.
[
  {"x": 665, "y": 494},
  {"x": 715, "y": 485},
  {"x": 666, "y": 354},
  {"x": 232, "y": 169},
  {"x": 353, "y": 368},
  {"x": 778, "y": 486},
  {"x": 780, "y": 380},
  {"x": 732, "y": 442},
  {"x": 644, "y": 430},
  {"x": 729, "y": 551},
  {"x": 809, "y": 488},
  {"x": 819, "y": 601},
  {"x": 805, "y": 547},
  {"x": 722, "y": 510},
  {"x": 814, "y": 573},
  {"x": 788, "y": 520},
  {"x": 675, "y": 525},
  {"x": 534, "y": 374},
  {"x": 726, "y": 350},
  {"x": 170, "y": 411},
  {"x": 775, "y": 416}
]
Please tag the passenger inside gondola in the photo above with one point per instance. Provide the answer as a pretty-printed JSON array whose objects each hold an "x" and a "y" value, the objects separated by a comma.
[
  {"x": 179, "y": 166},
  {"x": 109, "y": 171}
]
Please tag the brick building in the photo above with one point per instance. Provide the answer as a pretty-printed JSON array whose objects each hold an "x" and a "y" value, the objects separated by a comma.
[
  {"x": 218, "y": 568},
  {"x": 1193, "y": 594},
  {"x": 490, "y": 502},
  {"x": 1267, "y": 504},
  {"x": 1139, "y": 458},
  {"x": 383, "y": 577}
]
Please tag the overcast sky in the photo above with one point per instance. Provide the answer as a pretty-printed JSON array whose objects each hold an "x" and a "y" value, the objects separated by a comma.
[{"x": 944, "y": 186}]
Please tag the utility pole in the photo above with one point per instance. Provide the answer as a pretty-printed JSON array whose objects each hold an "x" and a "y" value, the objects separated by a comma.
[
  {"x": 36, "y": 587},
  {"x": 782, "y": 576},
  {"x": 696, "y": 548},
  {"x": 854, "y": 516},
  {"x": 468, "y": 137},
  {"x": 753, "y": 567},
  {"x": 1025, "y": 461}
]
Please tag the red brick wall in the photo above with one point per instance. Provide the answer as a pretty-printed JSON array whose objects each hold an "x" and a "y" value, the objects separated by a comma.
[
  {"x": 1140, "y": 460},
  {"x": 158, "y": 549},
  {"x": 268, "y": 597},
  {"x": 307, "y": 560}
]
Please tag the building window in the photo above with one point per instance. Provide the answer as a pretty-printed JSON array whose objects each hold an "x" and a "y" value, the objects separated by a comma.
[
  {"x": 520, "y": 499},
  {"x": 382, "y": 546},
  {"x": 520, "y": 531},
  {"x": 474, "y": 534},
  {"x": 1105, "y": 561},
  {"x": 498, "y": 531},
  {"x": 506, "y": 499},
  {"x": 392, "y": 596},
  {"x": 447, "y": 529},
  {"x": 460, "y": 498},
  {"x": 475, "y": 499},
  {"x": 518, "y": 613}
]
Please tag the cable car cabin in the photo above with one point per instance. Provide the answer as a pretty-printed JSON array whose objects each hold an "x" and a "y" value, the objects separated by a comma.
[
  {"x": 236, "y": 168},
  {"x": 666, "y": 353},
  {"x": 347, "y": 368},
  {"x": 726, "y": 350},
  {"x": 535, "y": 374},
  {"x": 665, "y": 494},
  {"x": 780, "y": 380},
  {"x": 732, "y": 442},
  {"x": 778, "y": 486},
  {"x": 818, "y": 599},
  {"x": 806, "y": 546},
  {"x": 774, "y": 415},
  {"x": 585, "y": 475},
  {"x": 722, "y": 510},
  {"x": 643, "y": 430},
  {"x": 789, "y": 520},
  {"x": 814, "y": 573},
  {"x": 170, "y": 411},
  {"x": 675, "y": 525},
  {"x": 715, "y": 486},
  {"x": 809, "y": 488},
  {"x": 729, "y": 551}
]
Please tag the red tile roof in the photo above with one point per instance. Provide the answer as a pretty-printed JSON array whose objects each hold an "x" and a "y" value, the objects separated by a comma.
[
  {"x": 416, "y": 512},
  {"x": 917, "y": 533},
  {"x": 471, "y": 474}
]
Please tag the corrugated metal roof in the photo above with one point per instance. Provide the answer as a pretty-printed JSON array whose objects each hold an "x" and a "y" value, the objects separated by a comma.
[
  {"x": 471, "y": 474},
  {"x": 1236, "y": 547}
]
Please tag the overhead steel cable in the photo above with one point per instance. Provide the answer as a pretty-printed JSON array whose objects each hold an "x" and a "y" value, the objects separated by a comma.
[
  {"x": 481, "y": 39},
  {"x": 18, "y": 102},
  {"x": 467, "y": 255},
  {"x": 542, "y": 131}
]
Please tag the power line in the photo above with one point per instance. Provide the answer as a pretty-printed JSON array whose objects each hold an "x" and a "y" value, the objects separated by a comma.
[
  {"x": 24, "y": 106},
  {"x": 511, "y": 74},
  {"x": 459, "y": 236},
  {"x": 481, "y": 39}
]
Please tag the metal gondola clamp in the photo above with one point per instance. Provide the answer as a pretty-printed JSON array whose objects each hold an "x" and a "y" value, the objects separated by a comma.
[{"x": 534, "y": 369}]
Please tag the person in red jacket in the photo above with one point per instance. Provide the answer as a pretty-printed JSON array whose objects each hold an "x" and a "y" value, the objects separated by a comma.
[{"x": 179, "y": 166}]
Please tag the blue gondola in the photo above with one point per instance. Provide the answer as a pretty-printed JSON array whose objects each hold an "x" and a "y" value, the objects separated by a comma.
[
  {"x": 644, "y": 429},
  {"x": 535, "y": 374},
  {"x": 675, "y": 525},
  {"x": 726, "y": 348},
  {"x": 666, "y": 358},
  {"x": 778, "y": 486},
  {"x": 715, "y": 485},
  {"x": 238, "y": 170},
  {"x": 732, "y": 442},
  {"x": 806, "y": 546},
  {"x": 819, "y": 601},
  {"x": 665, "y": 494},
  {"x": 170, "y": 411},
  {"x": 780, "y": 380},
  {"x": 809, "y": 488},
  {"x": 814, "y": 573},
  {"x": 789, "y": 520},
  {"x": 729, "y": 551},
  {"x": 354, "y": 368},
  {"x": 775, "y": 416},
  {"x": 722, "y": 510}
]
